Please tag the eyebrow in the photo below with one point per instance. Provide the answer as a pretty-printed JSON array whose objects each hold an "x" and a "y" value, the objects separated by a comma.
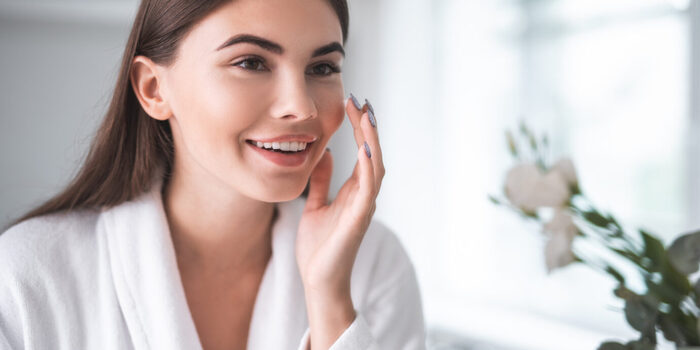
[{"x": 277, "y": 48}]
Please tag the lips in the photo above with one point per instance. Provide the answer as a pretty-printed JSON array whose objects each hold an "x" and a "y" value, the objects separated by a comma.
[
  {"x": 282, "y": 158},
  {"x": 287, "y": 138}
]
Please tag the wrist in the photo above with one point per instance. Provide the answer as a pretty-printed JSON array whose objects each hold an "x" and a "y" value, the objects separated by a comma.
[{"x": 329, "y": 316}]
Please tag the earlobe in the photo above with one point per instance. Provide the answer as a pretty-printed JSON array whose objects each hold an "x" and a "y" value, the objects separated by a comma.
[{"x": 147, "y": 84}]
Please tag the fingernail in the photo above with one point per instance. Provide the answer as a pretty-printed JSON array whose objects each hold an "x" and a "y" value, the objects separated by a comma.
[
  {"x": 369, "y": 154},
  {"x": 355, "y": 102},
  {"x": 369, "y": 105},
  {"x": 372, "y": 121},
  {"x": 328, "y": 149}
]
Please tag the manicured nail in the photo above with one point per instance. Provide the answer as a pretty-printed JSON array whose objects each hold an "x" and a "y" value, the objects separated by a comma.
[
  {"x": 369, "y": 105},
  {"x": 372, "y": 121},
  {"x": 369, "y": 154},
  {"x": 328, "y": 149},
  {"x": 355, "y": 102}
]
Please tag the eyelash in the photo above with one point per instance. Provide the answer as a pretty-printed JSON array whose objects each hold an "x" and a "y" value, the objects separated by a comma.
[{"x": 332, "y": 67}]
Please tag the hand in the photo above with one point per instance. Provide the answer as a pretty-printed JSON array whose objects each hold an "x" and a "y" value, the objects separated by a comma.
[{"x": 330, "y": 234}]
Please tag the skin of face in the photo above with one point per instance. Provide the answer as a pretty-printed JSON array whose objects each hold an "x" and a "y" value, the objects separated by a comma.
[{"x": 221, "y": 98}]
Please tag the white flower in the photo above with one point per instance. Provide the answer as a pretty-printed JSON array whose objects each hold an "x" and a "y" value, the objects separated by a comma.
[
  {"x": 558, "y": 252},
  {"x": 562, "y": 231},
  {"x": 562, "y": 223},
  {"x": 566, "y": 168},
  {"x": 528, "y": 188}
]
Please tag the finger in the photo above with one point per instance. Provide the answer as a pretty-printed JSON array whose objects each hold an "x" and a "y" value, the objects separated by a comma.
[
  {"x": 319, "y": 182},
  {"x": 371, "y": 135},
  {"x": 366, "y": 192},
  {"x": 353, "y": 108}
]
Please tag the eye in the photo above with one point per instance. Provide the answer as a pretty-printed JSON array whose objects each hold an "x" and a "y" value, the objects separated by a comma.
[
  {"x": 251, "y": 63},
  {"x": 325, "y": 69}
]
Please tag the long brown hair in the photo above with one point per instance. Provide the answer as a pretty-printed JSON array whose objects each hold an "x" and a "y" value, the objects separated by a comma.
[{"x": 130, "y": 147}]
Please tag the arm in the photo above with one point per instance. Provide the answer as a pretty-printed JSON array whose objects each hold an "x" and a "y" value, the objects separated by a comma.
[
  {"x": 329, "y": 317},
  {"x": 391, "y": 316}
]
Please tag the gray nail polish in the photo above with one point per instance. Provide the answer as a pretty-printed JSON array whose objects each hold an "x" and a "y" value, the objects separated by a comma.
[
  {"x": 369, "y": 105},
  {"x": 328, "y": 149},
  {"x": 372, "y": 121},
  {"x": 355, "y": 102},
  {"x": 369, "y": 154}
]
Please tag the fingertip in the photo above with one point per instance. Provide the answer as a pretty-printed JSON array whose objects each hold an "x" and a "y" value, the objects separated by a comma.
[{"x": 355, "y": 102}]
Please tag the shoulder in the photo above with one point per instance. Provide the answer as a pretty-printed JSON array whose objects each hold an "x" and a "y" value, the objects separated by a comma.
[
  {"x": 41, "y": 244},
  {"x": 44, "y": 262}
]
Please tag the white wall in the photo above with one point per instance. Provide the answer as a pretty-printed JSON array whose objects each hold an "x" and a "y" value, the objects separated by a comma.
[{"x": 57, "y": 70}]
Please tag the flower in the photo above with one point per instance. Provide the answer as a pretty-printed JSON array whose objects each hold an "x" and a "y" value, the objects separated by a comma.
[
  {"x": 562, "y": 223},
  {"x": 558, "y": 252},
  {"x": 565, "y": 167},
  {"x": 562, "y": 231},
  {"x": 528, "y": 188},
  {"x": 665, "y": 304}
]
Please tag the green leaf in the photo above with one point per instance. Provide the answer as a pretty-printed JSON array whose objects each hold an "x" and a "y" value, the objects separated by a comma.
[
  {"x": 494, "y": 200},
  {"x": 671, "y": 329},
  {"x": 512, "y": 146},
  {"x": 684, "y": 253},
  {"x": 674, "y": 278},
  {"x": 612, "y": 345},
  {"x": 664, "y": 292},
  {"x": 653, "y": 249},
  {"x": 642, "y": 344},
  {"x": 623, "y": 293},
  {"x": 523, "y": 128},
  {"x": 533, "y": 142},
  {"x": 615, "y": 274},
  {"x": 595, "y": 218},
  {"x": 628, "y": 255},
  {"x": 641, "y": 314}
]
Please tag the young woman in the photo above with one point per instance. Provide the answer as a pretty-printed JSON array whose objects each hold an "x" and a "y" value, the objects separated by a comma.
[{"x": 185, "y": 228}]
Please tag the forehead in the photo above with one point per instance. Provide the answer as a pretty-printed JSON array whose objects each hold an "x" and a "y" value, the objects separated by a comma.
[{"x": 298, "y": 25}]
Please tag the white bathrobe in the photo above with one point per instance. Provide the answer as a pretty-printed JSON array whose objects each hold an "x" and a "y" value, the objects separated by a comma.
[{"x": 108, "y": 279}]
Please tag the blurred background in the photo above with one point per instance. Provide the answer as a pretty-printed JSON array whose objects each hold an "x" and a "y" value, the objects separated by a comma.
[{"x": 612, "y": 82}]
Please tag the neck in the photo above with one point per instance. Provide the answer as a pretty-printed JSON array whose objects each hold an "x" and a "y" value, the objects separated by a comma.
[{"x": 216, "y": 230}]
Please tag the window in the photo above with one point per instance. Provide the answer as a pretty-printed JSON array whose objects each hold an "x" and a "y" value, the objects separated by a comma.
[{"x": 609, "y": 82}]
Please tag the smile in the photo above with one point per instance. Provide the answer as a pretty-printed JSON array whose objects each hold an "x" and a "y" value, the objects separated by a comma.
[
  {"x": 280, "y": 146},
  {"x": 288, "y": 154}
]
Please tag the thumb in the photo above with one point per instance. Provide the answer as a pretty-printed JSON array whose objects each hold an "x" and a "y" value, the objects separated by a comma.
[{"x": 320, "y": 182}]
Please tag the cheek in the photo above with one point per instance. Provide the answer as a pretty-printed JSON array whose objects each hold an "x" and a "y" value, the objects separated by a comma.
[
  {"x": 331, "y": 109},
  {"x": 212, "y": 110},
  {"x": 216, "y": 105},
  {"x": 230, "y": 102}
]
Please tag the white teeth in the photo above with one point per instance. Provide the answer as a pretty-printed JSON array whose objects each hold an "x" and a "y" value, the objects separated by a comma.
[{"x": 282, "y": 146}]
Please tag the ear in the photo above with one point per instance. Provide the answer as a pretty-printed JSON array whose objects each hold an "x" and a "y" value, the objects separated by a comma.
[{"x": 147, "y": 82}]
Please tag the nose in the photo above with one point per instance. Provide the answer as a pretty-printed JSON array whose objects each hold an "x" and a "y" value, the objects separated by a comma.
[{"x": 294, "y": 100}]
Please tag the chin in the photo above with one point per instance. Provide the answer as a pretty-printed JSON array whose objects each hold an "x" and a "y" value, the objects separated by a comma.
[{"x": 281, "y": 194}]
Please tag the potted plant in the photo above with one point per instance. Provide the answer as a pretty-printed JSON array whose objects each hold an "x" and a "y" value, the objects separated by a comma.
[{"x": 550, "y": 195}]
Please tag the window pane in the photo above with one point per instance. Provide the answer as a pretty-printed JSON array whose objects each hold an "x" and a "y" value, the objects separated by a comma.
[{"x": 609, "y": 83}]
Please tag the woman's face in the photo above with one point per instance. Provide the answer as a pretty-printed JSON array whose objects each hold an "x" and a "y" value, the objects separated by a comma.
[{"x": 277, "y": 77}]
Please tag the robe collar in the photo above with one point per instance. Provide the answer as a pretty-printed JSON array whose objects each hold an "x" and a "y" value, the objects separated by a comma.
[{"x": 149, "y": 287}]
